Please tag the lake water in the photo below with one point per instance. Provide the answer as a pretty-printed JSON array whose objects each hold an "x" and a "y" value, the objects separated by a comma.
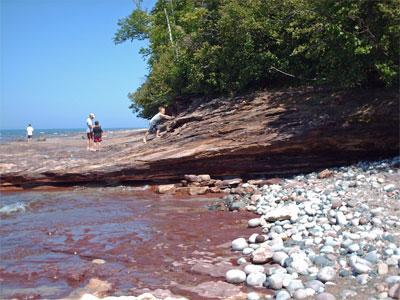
[
  {"x": 20, "y": 134},
  {"x": 49, "y": 239}
]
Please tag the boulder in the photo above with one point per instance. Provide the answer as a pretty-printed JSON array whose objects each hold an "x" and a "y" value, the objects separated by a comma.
[
  {"x": 192, "y": 178},
  {"x": 166, "y": 189},
  {"x": 204, "y": 177},
  {"x": 198, "y": 190}
]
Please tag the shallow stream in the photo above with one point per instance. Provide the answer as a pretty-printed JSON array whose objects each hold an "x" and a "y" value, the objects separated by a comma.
[{"x": 49, "y": 239}]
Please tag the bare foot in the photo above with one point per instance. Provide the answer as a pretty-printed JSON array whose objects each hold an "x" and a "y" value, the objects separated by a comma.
[{"x": 144, "y": 140}]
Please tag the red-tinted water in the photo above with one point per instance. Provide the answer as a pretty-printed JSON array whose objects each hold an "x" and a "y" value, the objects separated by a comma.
[{"x": 147, "y": 240}]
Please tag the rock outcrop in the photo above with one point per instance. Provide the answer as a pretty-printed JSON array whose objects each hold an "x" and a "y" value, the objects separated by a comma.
[{"x": 267, "y": 133}]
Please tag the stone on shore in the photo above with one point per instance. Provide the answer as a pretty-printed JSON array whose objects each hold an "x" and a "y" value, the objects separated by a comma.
[
  {"x": 326, "y": 274},
  {"x": 253, "y": 269},
  {"x": 198, "y": 190},
  {"x": 282, "y": 213},
  {"x": 166, "y": 189},
  {"x": 262, "y": 255},
  {"x": 256, "y": 279},
  {"x": 239, "y": 244},
  {"x": 325, "y": 174},
  {"x": 394, "y": 291},
  {"x": 254, "y": 222},
  {"x": 235, "y": 276},
  {"x": 325, "y": 296}
]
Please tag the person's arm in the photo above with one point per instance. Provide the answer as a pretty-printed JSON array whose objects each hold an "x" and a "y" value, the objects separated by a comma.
[{"x": 166, "y": 117}]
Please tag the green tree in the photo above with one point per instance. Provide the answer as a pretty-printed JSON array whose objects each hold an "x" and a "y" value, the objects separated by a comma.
[{"x": 230, "y": 46}]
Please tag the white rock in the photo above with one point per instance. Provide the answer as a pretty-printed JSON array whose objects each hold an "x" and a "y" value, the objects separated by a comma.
[
  {"x": 256, "y": 279},
  {"x": 254, "y": 222},
  {"x": 300, "y": 294},
  {"x": 295, "y": 285},
  {"x": 359, "y": 265},
  {"x": 241, "y": 261},
  {"x": 289, "y": 212},
  {"x": 280, "y": 257},
  {"x": 252, "y": 238},
  {"x": 239, "y": 244},
  {"x": 247, "y": 251},
  {"x": 326, "y": 274},
  {"x": 235, "y": 276},
  {"x": 276, "y": 281},
  {"x": 389, "y": 187},
  {"x": 282, "y": 295},
  {"x": 300, "y": 266},
  {"x": 253, "y": 269},
  {"x": 341, "y": 218}
]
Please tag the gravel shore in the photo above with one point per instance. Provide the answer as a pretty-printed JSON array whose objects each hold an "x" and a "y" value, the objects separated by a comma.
[{"x": 328, "y": 235}]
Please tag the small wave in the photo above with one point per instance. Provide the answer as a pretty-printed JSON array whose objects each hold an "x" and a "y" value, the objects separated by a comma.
[{"x": 13, "y": 208}]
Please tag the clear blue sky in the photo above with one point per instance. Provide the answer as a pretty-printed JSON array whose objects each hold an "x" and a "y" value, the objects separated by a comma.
[{"x": 59, "y": 63}]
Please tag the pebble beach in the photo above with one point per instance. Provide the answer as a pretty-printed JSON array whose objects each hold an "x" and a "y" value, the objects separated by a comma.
[{"x": 325, "y": 236}]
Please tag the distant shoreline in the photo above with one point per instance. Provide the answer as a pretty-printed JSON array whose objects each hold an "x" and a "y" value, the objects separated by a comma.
[{"x": 19, "y": 135}]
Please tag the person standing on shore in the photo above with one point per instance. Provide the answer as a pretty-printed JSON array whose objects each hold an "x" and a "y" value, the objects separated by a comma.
[
  {"x": 89, "y": 132},
  {"x": 29, "y": 132},
  {"x": 155, "y": 123},
  {"x": 97, "y": 134}
]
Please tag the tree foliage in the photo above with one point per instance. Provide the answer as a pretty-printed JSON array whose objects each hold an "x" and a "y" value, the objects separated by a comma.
[{"x": 229, "y": 46}]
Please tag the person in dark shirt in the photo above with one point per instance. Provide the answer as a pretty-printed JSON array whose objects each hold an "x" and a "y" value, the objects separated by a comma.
[{"x": 97, "y": 133}]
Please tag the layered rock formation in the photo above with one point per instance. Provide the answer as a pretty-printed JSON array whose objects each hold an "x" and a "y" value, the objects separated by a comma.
[{"x": 263, "y": 134}]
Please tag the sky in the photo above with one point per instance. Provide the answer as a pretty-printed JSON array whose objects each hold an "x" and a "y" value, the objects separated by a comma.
[{"x": 59, "y": 63}]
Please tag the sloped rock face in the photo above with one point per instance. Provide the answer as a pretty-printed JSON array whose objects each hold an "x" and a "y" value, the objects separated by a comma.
[{"x": 268, "y": 133}]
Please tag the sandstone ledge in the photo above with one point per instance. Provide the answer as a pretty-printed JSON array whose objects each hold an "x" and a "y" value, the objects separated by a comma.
[{"x": 267, "y": 133}]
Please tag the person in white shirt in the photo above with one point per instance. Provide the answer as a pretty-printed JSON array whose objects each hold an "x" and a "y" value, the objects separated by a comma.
[
  {"x": 29, "y": 132},
  {"x": 155, "y": 123},
  {"x": 89, "y": 132}
]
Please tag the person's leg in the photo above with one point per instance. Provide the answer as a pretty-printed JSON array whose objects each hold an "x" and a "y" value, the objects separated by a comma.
[
  {"x": 92, "y": 142},
  {"x": 88, "y": 141},
  {"x": 158, "y": 133},
  {"x": 145, "y": 137}
]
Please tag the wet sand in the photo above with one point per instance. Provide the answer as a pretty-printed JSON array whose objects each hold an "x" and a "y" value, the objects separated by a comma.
[{"x": 147, "y": 241}]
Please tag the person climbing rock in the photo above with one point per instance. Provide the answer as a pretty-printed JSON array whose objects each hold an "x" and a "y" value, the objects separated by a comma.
[{"x": 155, "y": 123}]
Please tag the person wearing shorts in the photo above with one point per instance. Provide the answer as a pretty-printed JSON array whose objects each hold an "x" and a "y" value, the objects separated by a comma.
[
  {"x": 97, "y": 134},
  {"x": 155, "y": 123},
  {"x": 89, "y": 132}
]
